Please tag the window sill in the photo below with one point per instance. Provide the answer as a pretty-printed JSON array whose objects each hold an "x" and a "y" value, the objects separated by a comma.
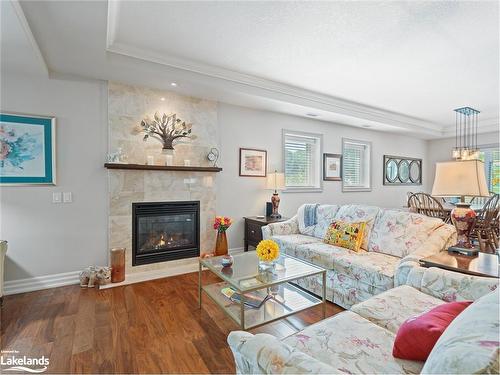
[
  {"x": 351, "y": 189},
  {"x": 303, "y": 190}
]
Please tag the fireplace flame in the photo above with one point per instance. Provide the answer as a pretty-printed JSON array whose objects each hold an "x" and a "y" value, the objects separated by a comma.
[{"x": 161, "y": 242}]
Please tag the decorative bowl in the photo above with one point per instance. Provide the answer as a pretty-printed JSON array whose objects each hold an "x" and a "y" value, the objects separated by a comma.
[{"x": 227, "y": 261}]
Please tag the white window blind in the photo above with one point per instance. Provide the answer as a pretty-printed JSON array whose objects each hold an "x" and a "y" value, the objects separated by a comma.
[
  {"x": 301, "y": 154},
  {"x": 356, "y": 165}
]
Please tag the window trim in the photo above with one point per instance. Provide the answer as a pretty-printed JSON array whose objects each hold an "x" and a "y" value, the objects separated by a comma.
[
  {"x": 350, "y": 189},
  {"x": 319, "y": 136}
]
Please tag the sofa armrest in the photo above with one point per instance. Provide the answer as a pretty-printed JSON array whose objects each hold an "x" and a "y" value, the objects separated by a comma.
[
  {"x": 451, "y": 286},
  {"x": 290, "y": 226},
  {"x": 265, "y": 354},
  {"x": 442, "y": 238}
]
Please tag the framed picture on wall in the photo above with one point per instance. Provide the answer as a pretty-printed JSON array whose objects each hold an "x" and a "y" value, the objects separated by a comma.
[
  {"x": 253, "y": 163},
  {"x": 332, "y": 167},
  {"x": 27, "y": 150}
]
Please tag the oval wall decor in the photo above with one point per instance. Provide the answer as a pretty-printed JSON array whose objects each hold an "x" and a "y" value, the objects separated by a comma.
[{"x": 399, "y": 170}]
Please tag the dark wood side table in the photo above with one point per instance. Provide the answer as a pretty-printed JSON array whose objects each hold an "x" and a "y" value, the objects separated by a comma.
[
  {"x": 485, "y": 265},
  {"x": 253, "y": 229}
]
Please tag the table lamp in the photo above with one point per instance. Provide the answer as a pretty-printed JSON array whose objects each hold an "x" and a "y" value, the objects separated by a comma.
[
  {"x": 461, "y": 178},
  {"x": 275, "y": 181}
]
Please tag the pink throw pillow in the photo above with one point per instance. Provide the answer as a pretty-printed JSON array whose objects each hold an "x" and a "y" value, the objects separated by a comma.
[{"x": 417, "y": 336}]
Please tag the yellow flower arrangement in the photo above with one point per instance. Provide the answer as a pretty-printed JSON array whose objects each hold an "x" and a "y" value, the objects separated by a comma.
[{"x": 268, "y": 250}]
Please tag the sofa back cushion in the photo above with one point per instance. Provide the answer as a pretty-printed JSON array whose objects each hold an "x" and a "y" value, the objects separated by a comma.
[
  {"x": 399, "y": 233},
  {"x": 325, "y": 215},
  {"x": 356, "y": 213},
  {"x": 470, "y": 344}
]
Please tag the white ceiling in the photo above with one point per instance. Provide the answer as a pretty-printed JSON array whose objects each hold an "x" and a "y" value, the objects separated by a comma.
[
  {"x": 417, "y": 58},
  {"x": 395, "y": 66},
  {"x": 19, "y": 52}
]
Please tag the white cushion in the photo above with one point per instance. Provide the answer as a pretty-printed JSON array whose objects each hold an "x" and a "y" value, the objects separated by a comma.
[
  {"x": 392, "y": 308},
  {"x": 400, "y": 233},
  {"x": 358, "y": 212},
  {"x": 325, "y": 215},
  {"x": 352, "y": 345},
  {"x": 470, "y": 344}
]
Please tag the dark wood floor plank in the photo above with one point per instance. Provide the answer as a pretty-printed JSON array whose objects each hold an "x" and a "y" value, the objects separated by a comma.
[{"x": 149, "y": 327}]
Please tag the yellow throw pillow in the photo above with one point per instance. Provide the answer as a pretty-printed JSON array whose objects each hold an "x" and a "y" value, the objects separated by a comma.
[{"x": 346, "y": 235}]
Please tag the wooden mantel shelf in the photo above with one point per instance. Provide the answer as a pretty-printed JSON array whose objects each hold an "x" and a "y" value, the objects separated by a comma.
[{"x": 161, "y": 167}]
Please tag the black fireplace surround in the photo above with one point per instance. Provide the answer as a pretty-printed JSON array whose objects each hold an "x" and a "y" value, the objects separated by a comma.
[{"x": 163, "y": 231}]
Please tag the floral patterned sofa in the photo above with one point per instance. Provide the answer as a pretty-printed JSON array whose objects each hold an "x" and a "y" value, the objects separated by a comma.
[
  {"x": 395, "y": 240},
  {"x": 360, "y": 341}
]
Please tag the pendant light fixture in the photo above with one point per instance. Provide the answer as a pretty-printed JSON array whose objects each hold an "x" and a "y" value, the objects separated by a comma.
[{"x": 466, "y": 120}]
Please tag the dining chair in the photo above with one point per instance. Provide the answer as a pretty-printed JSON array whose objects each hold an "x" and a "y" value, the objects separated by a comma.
[
  {"x": 485, "y": 230},
  {"x": 412, "y": 202},
  {"x": 427, "y": 205}
]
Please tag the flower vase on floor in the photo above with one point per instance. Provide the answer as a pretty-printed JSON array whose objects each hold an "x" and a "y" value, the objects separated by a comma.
[
  {"x": 221, "y": 224},
  {"x": 221, "y": 244}
]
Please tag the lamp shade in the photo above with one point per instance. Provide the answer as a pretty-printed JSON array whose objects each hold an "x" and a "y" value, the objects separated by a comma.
[
  {"x": 275, "y": 181},
  {"x": 460, "y": 178}
]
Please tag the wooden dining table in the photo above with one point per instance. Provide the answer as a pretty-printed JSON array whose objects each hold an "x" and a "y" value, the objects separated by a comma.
[{"x": 448, "y": 207}]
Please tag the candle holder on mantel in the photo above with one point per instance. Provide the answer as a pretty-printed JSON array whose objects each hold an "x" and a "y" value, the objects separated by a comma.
[{"x": 117, "y": 264}]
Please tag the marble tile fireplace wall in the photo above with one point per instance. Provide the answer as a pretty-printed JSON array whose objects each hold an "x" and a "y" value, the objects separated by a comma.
[{"x": 127, "y": 106}]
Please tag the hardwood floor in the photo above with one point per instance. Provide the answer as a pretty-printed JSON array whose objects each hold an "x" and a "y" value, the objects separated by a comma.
[{"x": 150, "y": 327}]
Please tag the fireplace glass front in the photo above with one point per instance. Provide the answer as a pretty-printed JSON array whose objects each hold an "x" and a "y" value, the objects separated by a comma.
[{"x": 165, "y": 231}]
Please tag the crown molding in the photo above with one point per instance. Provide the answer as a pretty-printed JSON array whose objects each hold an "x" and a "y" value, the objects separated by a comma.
[
  {"x": 265, "y": 88},
  {"x": 29, "y": 34},
  {"x": 283, "y": 92},
  {"x": 112, "y": 21}
]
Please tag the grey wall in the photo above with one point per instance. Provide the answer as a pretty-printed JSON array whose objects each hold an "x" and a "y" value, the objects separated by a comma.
[
  {"x": 46, "y": 238},
  {"x": 242, "y": 196}
]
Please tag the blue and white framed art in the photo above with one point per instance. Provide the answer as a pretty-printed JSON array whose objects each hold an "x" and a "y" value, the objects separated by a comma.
[{"x": 27, "y": 150}]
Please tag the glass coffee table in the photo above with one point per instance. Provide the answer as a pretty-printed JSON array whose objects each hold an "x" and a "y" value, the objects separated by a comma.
[{"x": 245, "y": 278}]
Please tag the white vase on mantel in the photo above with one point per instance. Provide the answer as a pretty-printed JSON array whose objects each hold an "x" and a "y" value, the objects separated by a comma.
[{"x": 167, "y": 156}]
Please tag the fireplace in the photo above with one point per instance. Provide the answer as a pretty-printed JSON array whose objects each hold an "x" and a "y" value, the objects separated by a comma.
[{"x": 163, "y": 231}]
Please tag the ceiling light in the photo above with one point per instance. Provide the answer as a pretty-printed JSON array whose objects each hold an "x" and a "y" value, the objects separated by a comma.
[
  {"x": 466, "y": 123},
  {"x": 162, "y": 99},
  {"x": 173, "y": 84},
  {"x": 311, "y": 114}
]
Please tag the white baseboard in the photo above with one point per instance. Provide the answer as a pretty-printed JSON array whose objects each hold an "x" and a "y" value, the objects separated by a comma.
[
  {"x": 179, "y": 267},
  {"x": 69, "y": 278},
  {"x": 40, "y": 282},
  {"x": 172, "y": 268}
]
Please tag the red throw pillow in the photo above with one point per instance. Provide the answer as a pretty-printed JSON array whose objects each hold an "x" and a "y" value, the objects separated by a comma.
[{"x": 417, "y": 336}]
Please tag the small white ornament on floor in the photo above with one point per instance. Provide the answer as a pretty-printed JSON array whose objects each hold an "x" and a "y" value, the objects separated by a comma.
[{"x": 95, "y": 275}]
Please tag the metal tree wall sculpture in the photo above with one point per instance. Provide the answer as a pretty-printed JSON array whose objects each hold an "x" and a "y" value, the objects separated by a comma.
[{"x": 166, "y": 129}]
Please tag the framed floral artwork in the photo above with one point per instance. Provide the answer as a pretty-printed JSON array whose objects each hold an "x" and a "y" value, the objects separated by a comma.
[
  {"x": 332, "y": 167},
  {"x": 27, "y": 150},
  {"x": 253, "y": 163}
]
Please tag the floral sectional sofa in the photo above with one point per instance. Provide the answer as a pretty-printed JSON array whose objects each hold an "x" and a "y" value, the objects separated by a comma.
[
  {"x": 360, "y": 341},
  {"x": 394, "y": 241}
]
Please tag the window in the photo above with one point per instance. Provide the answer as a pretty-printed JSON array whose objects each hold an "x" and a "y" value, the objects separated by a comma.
[
  {"x": 491, "y": 159},
  {"x": 356, "y": 165},
  {"x": 301, "y": 159},
  {"x": 490, "y": 155}
]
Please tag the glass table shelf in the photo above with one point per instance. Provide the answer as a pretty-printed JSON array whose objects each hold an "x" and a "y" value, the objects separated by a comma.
[
  {"x": 245, "y": 277},
  {"x": 288, "y": 300}
]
